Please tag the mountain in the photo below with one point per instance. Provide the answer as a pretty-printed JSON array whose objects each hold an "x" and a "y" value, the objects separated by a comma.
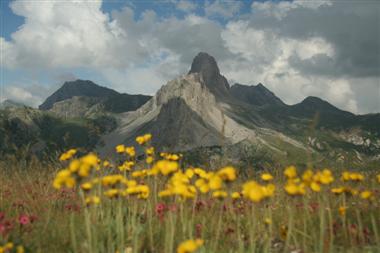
[
  {"x": 255, "y": 95},
  {"x": 83, "y": 98},
  {"x": 205, "y": 65},
  {"x": 77, "y": 88},
  {"x": 200, "y": 110},
  {"x": 200, "y": 114},
  {"x": 26, "y": 132}
]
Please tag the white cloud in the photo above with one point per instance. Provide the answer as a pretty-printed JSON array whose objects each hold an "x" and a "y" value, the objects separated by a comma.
[
  {"x": 186, "y": 6},
  {"x": 224, "y": 9},
  {"x": 279, "y": 10},
  {"x": 138, "y": 55},
  {"x": 265, "y": 58},
  {"x": 68, "y": 34},
  {"x": 21, "y": 95}
]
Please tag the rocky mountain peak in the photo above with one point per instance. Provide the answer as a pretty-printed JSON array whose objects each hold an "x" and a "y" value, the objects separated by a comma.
[
  {"x": 78, "y": 88},
  {"x": 204, "y": 63},
  {"x": 255, "y": 95},
  {"x": 207, "y": 67}
]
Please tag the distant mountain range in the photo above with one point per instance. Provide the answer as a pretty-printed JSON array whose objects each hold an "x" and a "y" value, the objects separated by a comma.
[{"x": 200, "y": 110}]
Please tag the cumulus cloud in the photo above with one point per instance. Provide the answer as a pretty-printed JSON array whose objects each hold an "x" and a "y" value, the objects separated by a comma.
[
  {"x": 323, "y": 48},
  {"x": 186, "y": 6},
  {"x": 224, "y": 9},
  {"x": 22, "y": 95}
]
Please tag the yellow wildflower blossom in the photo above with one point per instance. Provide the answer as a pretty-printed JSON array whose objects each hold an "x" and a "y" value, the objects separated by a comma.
[
  {"x": 189, "y": 246},
  {"x": 227, "y": 173},
  {"x": 266, "y": 177},
  {"x": 342, "y": 210},
  {"x": 120, "y": 148},
  {"x": 219, "y": 194},
  {"x": 86, "y": 186},
  {"x": 92, "y": 200},
  {"x": 68, "y": 155},
  {"x": 130, "y": 151},
  {"x": 290, "y": 172},
  {"x": 366, "y": 195}
]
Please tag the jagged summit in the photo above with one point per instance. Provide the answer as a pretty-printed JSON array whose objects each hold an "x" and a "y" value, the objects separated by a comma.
[
  {"x": 317, "y": 104},
  {"x": 207, "y": 67},
  {"x": 79, "y": 87},
  {"x": 255, "y": 94}
]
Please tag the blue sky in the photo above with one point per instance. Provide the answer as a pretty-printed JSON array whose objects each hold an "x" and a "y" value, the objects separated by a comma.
[{"x": 296, "y": 48}]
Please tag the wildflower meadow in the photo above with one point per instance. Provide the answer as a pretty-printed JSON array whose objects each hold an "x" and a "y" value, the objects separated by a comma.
[{"x": 144, "y": 200}]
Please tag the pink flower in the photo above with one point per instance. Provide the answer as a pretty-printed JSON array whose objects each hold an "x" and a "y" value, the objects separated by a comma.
[
  {"x": 160, "y": 208},
  {"x": 24, "y": 219}
]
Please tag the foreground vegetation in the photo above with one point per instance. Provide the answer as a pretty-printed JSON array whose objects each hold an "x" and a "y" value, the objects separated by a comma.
[{"x": 156, "y": 203}]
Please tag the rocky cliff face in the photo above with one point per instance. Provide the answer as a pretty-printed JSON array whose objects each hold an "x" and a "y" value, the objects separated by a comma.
[
  {"x": 206, "y": 66},
  {"x": 201, "y": 110}
]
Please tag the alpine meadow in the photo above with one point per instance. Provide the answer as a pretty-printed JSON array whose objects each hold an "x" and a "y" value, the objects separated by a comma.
[{"x": 182, "y": 126}]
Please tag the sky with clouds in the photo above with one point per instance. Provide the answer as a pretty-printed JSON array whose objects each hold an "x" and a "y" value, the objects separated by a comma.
[{"x": 329, "y": 49}]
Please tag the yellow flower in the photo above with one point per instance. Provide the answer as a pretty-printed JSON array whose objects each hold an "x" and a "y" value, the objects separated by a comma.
[
  {"x": 8, "y": 246},
  {"x": 269, "y": 190},
  {"x": 295, "y": 189},
  {"x": 86, "y": 186},
  {"x": 149, "y": 151},
  {"x": 290, "y": 172},
  {"x": 215, "y": 182},
  {"x": 106, "y": 164},
  {"x": 200, "y": 172},
  {"x": 352, "y": 176},
  {"x": 120, "y": 148},
  {"x": 378, "y": 178},
  {"x": 130, "y": 151},
  {"x": 254, "y": 191},
  {"x": 166, "y": 167},
  {"x": 111, "y": 180},
  {"x": 172, "y": 157},
  {"x": 315, "y": 186},
  {"x": 366, "y": 194},
  {"x": 227, "y": 173},
  {"x": 202, "y": 185},
  {"x": 74, "y": 165},
  {"x": 189, "y": 173},
  {"x": 268, "y": 221},
  {"x": 141, "y": 140},
  {"x": 266, "y": 177},
  {"x": 235, "y": 195},
  {"x": 338, "y": 190},
  {"x": 219, "y": 194},
  {"x": 307, "y": 176},
  {"x": 142, "y": 191},
  {"x": 92, "y": 200},
  {"x": 342, "y": 210},
  {"x": 68, "y": 155},
  {"x": 20, "y": 249},
  {"x": 189, "y": 246},
  {"x": 149, "y": 159},
  {"x": 64, "y": 178},
  {"x": 139, "y": 173},
  {"x": 325, "y": 177},
  {"x": 111, "y": 193}
]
